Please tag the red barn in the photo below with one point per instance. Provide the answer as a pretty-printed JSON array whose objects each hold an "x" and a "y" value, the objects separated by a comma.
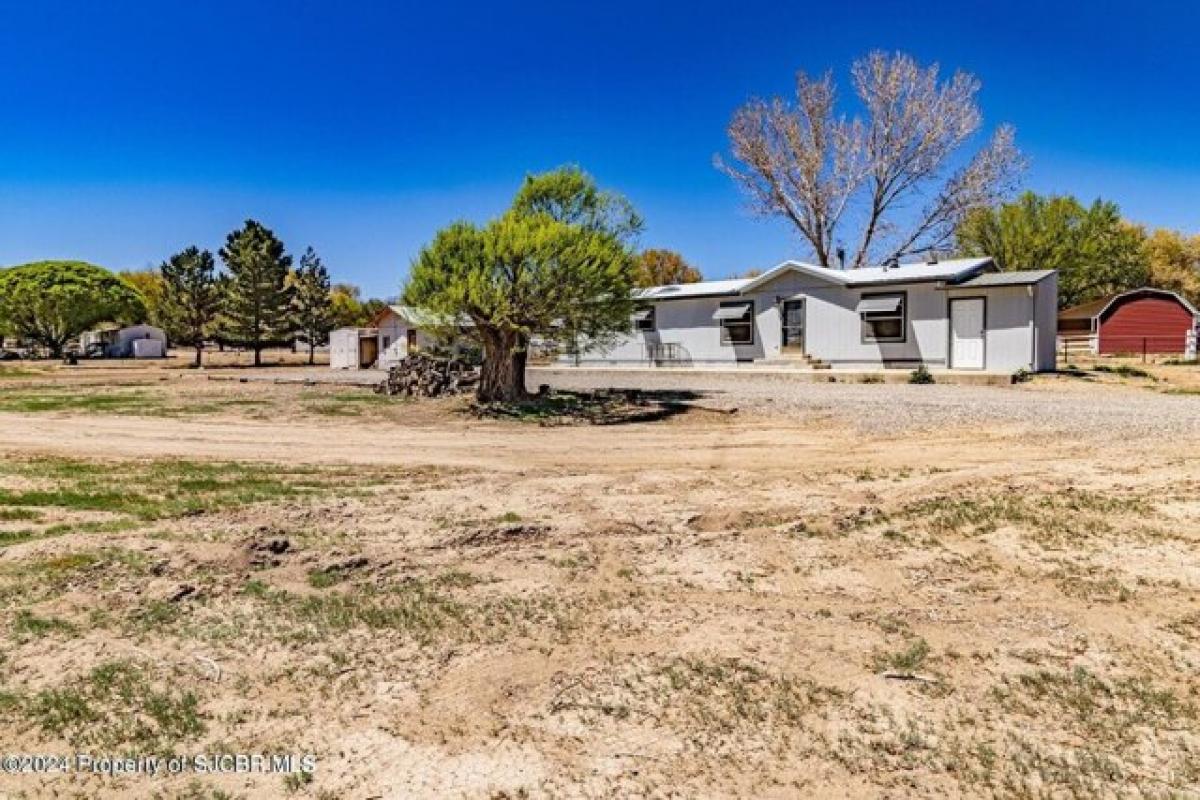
[{"x": 1139, "y": 321}]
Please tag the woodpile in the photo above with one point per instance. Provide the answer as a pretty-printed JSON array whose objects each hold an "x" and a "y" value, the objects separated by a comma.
[{"x": 422, "y": 375}]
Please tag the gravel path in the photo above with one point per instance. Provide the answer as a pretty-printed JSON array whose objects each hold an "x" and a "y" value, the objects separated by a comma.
[{"x": 1095, "y": 410}]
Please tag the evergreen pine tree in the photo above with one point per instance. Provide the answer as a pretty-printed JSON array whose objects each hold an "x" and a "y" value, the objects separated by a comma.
[
  {"x": 258, "y": 300},
  {"x": 312, "y": 303}
]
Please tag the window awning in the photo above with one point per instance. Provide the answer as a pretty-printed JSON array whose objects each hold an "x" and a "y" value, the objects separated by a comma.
[
  {"x": 869, "y": 305},
  {"x": 642, "y": 314},
  {"x": 739, "y": 311}
]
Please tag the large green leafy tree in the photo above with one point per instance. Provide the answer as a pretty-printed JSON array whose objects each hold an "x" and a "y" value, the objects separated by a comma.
[
  {"x": 148, "y": 283},
  {"x": 557, "y": 264},
  {"x": 52, "y": 302},
  {"x": 313, "y": 304},
  {"x": 350, "y": 310},
  {"x": 1095, "y": 251},
  {"x": 346, "y": 301},
  {"x": 1174, "y": 262},
  {"x": 258, "y": 298},
  {"x": 191, "y": 297}
]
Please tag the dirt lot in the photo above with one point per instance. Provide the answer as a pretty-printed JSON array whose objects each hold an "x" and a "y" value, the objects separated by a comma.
[{"x": 835, "y": 591}]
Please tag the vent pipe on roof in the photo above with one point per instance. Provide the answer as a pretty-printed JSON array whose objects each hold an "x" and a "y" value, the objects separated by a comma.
[
  {"x": 933, "y": 256},
  {"x": 841, "y": 257},
  {"x": 891, "y": 263}
]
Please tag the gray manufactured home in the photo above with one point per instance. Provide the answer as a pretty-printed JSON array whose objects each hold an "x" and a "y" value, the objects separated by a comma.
[{"x": 958, "y": 314}]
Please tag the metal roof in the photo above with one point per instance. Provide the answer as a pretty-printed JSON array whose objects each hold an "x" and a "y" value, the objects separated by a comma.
[
  {"x": 1015, "y": 278},
  {"x": 676, "y": 291},
  {"x": 955, "y": 272},
  {"x": 420, "y": 317},
  {"x": 949, "y": 270}
]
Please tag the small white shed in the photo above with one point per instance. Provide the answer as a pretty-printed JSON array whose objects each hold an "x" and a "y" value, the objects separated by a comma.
[
  {"x": 353, "y": 348},
  {"x": 404, "y": 330},
  {"x": 396, "y": 332}
]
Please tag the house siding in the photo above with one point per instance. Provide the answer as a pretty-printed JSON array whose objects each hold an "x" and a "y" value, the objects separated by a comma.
[
  {"x": 689, "y": 325},
  {"x": 1020, "y": 326}
]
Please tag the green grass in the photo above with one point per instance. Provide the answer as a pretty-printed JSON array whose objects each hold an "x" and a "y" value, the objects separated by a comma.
[
  {"x": 9, "y": 373},
  {"x": 116, "y": 705},
  {"x": 195, "y": 790},
  {"x": 141, "y": 401},
  {"x": 95, "y": 401},
  {"x": 323, "y": 578},
  {"x": 19, "y": 515},
  {"x": 1124, "y": 370},
  {"x": 712, "y": 702},
  {"x": 413, "y": 608},
  {"x": 1099, "y": 709},
  {"x": 42, "y": 577},
  {"x": 26, "y": 626},
  {"x": 344, "y": 404},
  {"x": 1051, "y": 516},
  {"x": 906, "y": 661},
  {"x": 295, "y": 781},
  {"x": 425, "y": 612},
  {"x": 150, "y": 490}
]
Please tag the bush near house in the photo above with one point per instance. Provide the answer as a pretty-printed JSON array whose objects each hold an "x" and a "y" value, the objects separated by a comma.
[{"x": 921, "y": 375}]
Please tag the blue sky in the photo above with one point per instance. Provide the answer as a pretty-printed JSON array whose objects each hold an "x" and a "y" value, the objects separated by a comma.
[{"x": 129, "y": 130}]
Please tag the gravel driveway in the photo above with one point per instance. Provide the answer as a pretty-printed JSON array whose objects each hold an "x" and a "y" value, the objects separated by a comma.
[{"x": 1092, "y": 409}]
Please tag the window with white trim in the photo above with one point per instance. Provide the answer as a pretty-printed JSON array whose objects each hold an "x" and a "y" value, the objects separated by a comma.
[
  {"x": 737, "y": 322},
  {"x": 883, "y": 317},
  {"x": 643, "y": 318}
]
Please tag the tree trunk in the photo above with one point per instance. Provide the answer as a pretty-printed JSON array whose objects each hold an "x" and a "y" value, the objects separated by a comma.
[
  {"x": 257, "y": 354},
  {"x": 520, "y": 359},
  {"x": 312, "y": 353},
  {"x": 502, "y": 378},
  {"x": 199, "y": 350}
]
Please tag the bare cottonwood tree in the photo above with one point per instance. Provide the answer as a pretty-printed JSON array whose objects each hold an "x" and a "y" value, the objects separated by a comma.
[{"x": 823, "y": 171}]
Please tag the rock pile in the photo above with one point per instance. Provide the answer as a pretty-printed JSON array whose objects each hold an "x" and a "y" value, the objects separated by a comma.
[{"x": 422, "y": 375}]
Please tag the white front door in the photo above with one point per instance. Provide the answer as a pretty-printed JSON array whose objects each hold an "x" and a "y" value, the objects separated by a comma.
[{"x": 966, "y": 333}]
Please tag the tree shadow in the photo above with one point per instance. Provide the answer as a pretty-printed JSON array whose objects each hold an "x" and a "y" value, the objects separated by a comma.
[{"x": 601, "y": 407}]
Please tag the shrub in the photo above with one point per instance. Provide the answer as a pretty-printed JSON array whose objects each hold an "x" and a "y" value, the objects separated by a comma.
[{"x": 921, "y": 375}]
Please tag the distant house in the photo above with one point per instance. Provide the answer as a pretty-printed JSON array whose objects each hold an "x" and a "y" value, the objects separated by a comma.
[
  {"x": 1140, "y": 321},
  {"x": 134, "y": 341},
  {"x": 394, "y": 333},
  {"x": 957, "y": 314}
]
